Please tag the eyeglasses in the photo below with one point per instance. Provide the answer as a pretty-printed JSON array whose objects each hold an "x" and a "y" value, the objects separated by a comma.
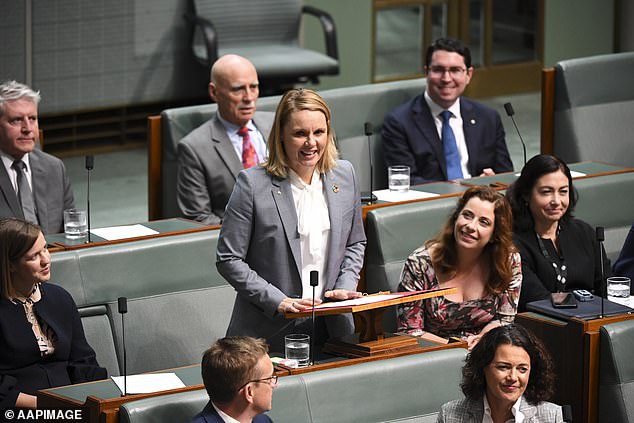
[
  {"x": 272, "y": 380},
  {"x": 454, "y": 71}
]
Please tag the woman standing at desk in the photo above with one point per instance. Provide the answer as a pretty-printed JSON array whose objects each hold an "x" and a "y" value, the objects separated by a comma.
[
  {"x": 299, "y": 211},
  {"x": 41, "y": 336},
  {"x": 559, "y": 252},
  {"x": 474, "y": 252}
]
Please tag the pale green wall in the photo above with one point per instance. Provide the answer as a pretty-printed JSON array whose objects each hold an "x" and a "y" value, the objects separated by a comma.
[
  {"x": 577, "y": 28},
  {"x": 353, "y": 19}
]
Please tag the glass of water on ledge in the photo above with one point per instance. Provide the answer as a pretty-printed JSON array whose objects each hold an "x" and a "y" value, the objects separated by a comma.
[
  {"x": 398, "y": 178},
  {"x": 619, "y": 290},
  {"x": 297, "y": 347}
]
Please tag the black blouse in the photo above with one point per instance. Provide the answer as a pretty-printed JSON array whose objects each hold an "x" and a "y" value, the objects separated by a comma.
[{"x": 579, "y": 248}]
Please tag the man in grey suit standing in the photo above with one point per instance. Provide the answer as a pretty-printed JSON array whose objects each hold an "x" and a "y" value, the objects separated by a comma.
[
  {"x": 210, "y": 157},
  {"x": 33, "y": 184}
]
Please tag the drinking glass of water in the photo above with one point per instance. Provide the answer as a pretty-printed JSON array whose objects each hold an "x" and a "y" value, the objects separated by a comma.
[
  {"x": 619, "y": 290},
  {"x": 75, "y": 223},
  {"x": 297, "y": 347},
  {"x": 398, "y": 178}
]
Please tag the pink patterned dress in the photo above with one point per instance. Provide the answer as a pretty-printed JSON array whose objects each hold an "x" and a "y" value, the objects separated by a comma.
[{"x": 446, "y": 318}]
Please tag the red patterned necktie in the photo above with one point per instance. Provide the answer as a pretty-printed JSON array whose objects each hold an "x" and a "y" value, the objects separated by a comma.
[{"x": 249, "y": 155}]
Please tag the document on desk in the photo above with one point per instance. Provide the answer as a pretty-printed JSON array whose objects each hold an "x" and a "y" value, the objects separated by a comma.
[
  {"x": 148, "y": 383},
  {"x": 573, "y": 174},
  {"x": 394, "y": 196},
  {"x": 122, "y": 232}
]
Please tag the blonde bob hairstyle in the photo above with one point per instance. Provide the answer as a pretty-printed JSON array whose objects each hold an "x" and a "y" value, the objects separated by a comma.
[
  {"x": 294, "y": 101},
  {"x": 16, "y": 239}
]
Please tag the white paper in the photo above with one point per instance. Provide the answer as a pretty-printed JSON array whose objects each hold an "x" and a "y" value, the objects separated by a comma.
[
  {"x": 122, "y": 232},
  {"x": 393, "y": 196},
  {"x": 148, "y": 383},
  {"x": 573, "y": 173}
]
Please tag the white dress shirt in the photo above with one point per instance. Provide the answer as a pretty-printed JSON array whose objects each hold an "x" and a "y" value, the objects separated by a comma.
[{"x": 7, "y": 161}]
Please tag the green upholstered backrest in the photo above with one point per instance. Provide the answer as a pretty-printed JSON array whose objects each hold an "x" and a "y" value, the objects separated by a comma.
[
  {"x": 594, "y": 105},
  {"x": 351, "y": 107},
  {"x": 408, "y": 388},
  {"x": 178, "y": 303},
  {"x": 616, "y": 373},
  {"x": 607, "y": 201}
]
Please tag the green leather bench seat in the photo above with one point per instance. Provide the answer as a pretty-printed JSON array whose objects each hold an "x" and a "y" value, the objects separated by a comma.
[
  {"x": 593, "y": 109},
  {"x": 178, "y": 304},
  {"x": 616, "y": 373},
  {"x": 402, "y": 389},
  {"x": 351, "y": 107}
]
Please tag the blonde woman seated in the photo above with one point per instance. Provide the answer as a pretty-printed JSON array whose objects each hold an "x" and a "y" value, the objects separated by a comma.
[{"x": 475, "y": 254}]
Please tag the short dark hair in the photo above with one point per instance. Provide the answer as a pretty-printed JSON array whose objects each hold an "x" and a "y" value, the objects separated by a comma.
[
  {"x": 520, "y": 191},
  {"x": 449, "y": 44},
  {"x": 541, "y": 380},
  {"x": 230, "y": 363}
]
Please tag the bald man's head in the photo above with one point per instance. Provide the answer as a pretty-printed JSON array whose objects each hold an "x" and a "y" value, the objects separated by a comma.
[{"x": 234, "y": 86}]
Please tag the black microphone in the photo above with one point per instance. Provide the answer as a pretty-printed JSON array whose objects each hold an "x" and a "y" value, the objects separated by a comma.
[
  {"x": 600, "y": 238},
  {"x": 510, "y": 112},
  {"x": 90, "y": 164},
  {"x": 566, "y": 413},
  {"x": 314, "y": 281},
  {"x": 122, "y": 302},
  {"x": 369, "y": 197}
]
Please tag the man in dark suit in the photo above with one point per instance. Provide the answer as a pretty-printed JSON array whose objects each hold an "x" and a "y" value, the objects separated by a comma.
[
  {"x": 33, "y": 184},
  {"x": 441, "y": 135},
  {"x": 239, "y": 378},
  {"x": 210, "y": 157}
]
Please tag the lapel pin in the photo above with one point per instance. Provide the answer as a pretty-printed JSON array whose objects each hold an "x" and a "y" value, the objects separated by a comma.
[
  {"x": 279, "y": 192},
  {"x": 472, "y": 121},
  {"x": 335, "y": 188}
]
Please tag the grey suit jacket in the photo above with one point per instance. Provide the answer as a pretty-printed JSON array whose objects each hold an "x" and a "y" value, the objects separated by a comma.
[
  {"x": 207, "y": 169},
  {"x": 259, "y": 249},
  {"x": 51, "y": 190},
  {"x": 472, "y": 411}
]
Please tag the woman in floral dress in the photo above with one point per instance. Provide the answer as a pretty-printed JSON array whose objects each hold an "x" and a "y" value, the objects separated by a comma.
[{"x": 474, "y": 253}]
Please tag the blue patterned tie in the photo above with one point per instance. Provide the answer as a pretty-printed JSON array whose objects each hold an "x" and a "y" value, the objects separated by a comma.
[{"x": 454, "y": 170}]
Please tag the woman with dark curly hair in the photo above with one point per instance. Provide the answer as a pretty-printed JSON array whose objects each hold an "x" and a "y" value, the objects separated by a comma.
[
  {"x": 474, "y": 252},
  {"x": 559, "y": 252},
  {"x": 508, "y": 377}
]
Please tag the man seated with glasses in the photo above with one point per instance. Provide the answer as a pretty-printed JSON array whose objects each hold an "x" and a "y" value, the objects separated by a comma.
[
  {"x": 441, "y": 135},
  {"x": 238, "y": 376}
]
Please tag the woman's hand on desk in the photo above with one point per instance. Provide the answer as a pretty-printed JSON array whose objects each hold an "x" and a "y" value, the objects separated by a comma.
[
  {"x": 26, "y": 401},
  {"x": 342, "y": 294},
  {"x": 295, "y": 305}
]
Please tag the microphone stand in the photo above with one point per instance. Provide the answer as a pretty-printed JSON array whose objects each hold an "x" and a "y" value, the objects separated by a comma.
[
  {"x": 370, "y": 197},
  {"x": 123, "y": 309},
  {"x": 314, "y": 281},
  {"x": 510, "y": 112},
  {"x": 90, "y": 162},
  {"x": 600, "y": 238}
]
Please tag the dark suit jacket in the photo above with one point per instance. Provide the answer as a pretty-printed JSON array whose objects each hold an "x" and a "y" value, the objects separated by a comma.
[
  {"x": 22, "y": 369},
  {"x": 209, "y": 415},
  {"x": 410, "y": 138},
  {"x": 259, "y": 250},
  {"x": 578, "y": 244},
  {"x": 207, "y": 169},
  {"x": 51, "y": 190},
  {"x": 624, "y": 265}
]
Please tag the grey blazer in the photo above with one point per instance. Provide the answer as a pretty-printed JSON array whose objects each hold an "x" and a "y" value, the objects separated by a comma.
[
  {"x": 207, "y": 169},
  {"x": 51, "y": 191},
  {"x": 472, "y": 411},
  {"x": 259, "y": 250}
]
